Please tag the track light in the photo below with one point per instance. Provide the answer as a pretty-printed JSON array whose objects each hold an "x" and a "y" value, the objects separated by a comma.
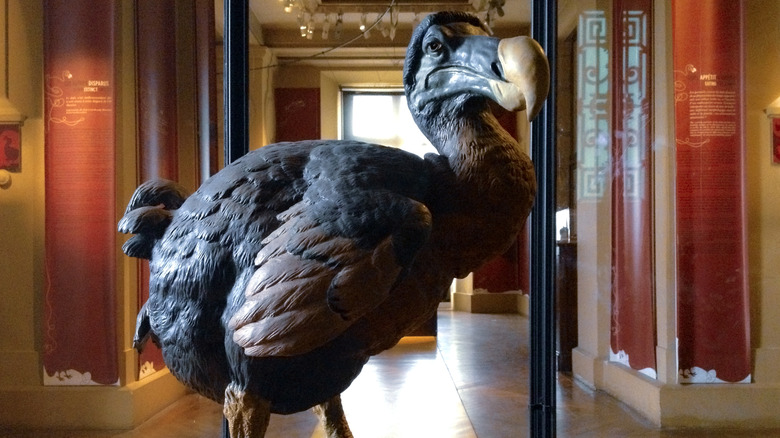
[
  {"x": 416, "y": 20},
  {"x": 367, "y": 31},
  {"x": 326, "y": 27},
  {"x": 498, "y": 5},
  {"x": 339, "y": 26},
  {"x": 393, "y": 21},
  {"x": 313, "y": 12}
]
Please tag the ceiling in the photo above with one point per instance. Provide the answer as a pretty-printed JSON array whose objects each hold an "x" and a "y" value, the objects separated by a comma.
[{"x": 272, "y": 27}]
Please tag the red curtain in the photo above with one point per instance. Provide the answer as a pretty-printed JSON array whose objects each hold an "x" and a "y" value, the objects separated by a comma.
[
  {"x": 79, "y": 326},
  {"x": 712, "y": 296}
]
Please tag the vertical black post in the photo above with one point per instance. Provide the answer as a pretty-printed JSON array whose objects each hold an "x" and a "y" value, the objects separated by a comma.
[
  {"x": 542, "y": 312},
  {"x": 236, "y": 90},
  {"x": 236, "y": 79}
]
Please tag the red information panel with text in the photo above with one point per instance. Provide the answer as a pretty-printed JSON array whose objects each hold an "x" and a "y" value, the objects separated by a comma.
[
  {"x": 79, "y": 327},
  {"x": 713, "y": 300}
]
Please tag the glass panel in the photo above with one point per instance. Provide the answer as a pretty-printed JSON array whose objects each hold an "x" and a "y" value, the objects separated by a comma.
[
  {"x": 605, "y": 178},
  {"x": 664, "y": 153}
]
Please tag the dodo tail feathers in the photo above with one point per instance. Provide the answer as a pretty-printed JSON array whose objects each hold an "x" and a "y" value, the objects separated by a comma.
[{"x": 148, "y": 214}]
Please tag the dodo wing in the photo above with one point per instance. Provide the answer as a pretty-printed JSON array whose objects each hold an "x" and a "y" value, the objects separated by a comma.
[{"x": 337, "y": 255}]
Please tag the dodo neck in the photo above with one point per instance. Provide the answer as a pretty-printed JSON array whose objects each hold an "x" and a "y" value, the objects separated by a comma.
[
  {"x": 493, "y": 192},
  {"x": 478, "y": 146}
]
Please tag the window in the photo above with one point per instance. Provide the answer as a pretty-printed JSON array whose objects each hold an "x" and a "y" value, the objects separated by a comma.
[{"x": 381, "y": 117}]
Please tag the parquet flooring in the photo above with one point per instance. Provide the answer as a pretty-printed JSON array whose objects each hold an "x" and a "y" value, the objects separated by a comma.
[{"x": 471, "y": 381}]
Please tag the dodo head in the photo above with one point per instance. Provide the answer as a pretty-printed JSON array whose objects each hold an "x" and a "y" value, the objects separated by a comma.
[{"x": 452, "y": 65}]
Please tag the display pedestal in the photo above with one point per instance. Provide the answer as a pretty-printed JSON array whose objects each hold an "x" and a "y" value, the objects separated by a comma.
[{"x": 88, "y": 407}]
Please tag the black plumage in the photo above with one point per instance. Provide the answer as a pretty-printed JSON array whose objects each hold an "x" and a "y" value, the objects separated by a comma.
[{"x": 273, "y": 283}]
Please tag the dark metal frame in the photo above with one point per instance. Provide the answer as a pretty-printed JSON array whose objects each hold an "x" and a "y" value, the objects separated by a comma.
[
  {"x": 236, "y": 90},
  {"x": 542, "y": 318},
  {"x": 236, "y": 79},
  {"x": 544, "y": 29}
]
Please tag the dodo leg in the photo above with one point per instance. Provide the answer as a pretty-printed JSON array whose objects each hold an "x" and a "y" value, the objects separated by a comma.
[
  {"x": 246, "y": 414},
  {"x": 332, "y": 418}
]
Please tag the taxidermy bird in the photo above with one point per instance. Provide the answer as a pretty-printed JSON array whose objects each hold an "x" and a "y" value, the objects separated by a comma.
[{"x": 273, "y": 284}]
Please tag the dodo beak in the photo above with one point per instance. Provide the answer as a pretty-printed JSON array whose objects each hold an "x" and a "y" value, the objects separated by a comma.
[{"x": 527, "y": 74}]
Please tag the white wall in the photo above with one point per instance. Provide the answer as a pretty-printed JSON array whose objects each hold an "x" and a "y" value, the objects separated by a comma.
[{"x": 762, "y": 33}]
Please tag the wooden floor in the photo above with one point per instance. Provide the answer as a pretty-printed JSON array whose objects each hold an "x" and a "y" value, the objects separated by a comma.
[{"x": 472, "y": 381}]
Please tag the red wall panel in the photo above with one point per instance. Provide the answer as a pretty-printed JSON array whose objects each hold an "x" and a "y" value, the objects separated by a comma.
[
  {"x": 157, "y": 121},
  {"x": 713, "y": 297},
  {"x": 509, "y": 271},
  {"x": 501, "y": 274},
  {"x": 632, "y": 331},
  {"x": 79, "y": 333},
  {"x": 157, "y": 94},
  {"x": 297, "y": 114}
]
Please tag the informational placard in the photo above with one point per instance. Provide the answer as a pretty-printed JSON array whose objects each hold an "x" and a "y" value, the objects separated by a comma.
[
  {"x": 713, "y": 298},
  {"x": 79, "y": 323}
]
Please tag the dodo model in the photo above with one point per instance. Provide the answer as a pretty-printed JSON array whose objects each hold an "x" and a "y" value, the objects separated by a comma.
[{"x": 273, "y": 284}]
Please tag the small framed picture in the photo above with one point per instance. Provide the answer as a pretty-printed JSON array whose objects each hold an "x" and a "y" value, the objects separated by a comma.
[{"x": 11, "y": 147}]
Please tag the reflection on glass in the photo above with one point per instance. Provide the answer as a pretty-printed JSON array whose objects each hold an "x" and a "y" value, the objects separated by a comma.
[
  {"x": 635, "y": 104},
  {"x": 592, "y": 93}
]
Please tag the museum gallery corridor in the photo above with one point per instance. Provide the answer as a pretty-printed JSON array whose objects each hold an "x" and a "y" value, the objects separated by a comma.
[{"x": 470, "y": 382}]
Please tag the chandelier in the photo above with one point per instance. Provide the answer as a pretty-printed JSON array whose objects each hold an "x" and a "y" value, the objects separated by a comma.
[{"x": 327, "y": 16}]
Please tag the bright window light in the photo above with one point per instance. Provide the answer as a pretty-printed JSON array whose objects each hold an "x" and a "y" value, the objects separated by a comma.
[
  {"x": 382, "y": 117},
  {"x": 562, "y": 218},
  {"x": 371, "y": 114}
]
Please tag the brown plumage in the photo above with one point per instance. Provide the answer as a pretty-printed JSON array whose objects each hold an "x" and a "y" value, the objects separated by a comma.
[{"x": 274, "y": 282}]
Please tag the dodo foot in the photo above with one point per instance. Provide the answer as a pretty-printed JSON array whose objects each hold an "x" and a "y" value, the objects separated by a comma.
[
  {"x": 247, "y": 416},
  {"x": 332, "y": 417}
]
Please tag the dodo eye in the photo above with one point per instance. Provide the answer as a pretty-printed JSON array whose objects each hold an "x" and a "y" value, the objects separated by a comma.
[{"x": 434, "y": 46}]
